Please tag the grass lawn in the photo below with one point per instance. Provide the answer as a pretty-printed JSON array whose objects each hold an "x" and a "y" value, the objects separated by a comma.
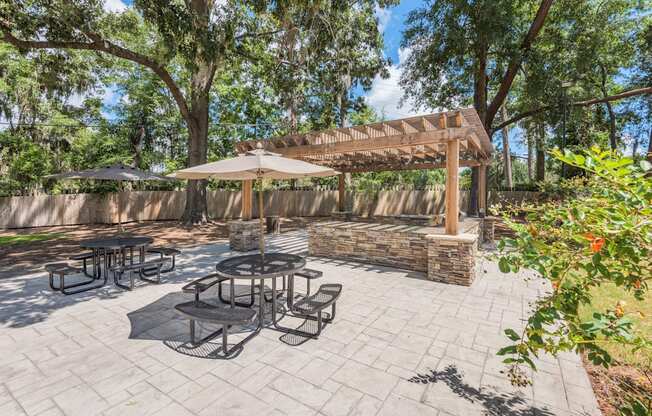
[
  {"x": 9, "y": 240},
  {"x": 629, "y": 376},
  {"x": 606, "y": 297}
]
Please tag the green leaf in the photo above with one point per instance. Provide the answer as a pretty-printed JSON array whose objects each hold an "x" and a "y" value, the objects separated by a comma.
[
  {"x": 512, "y": 335},
  {"x": 510, "y": 349},
  {"x": 503, "y": 265}
]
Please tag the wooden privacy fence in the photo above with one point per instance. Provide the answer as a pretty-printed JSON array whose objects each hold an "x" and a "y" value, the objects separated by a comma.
[{"x": 53, "y": 210}]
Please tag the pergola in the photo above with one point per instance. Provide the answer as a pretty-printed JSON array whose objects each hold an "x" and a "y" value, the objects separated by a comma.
[{"x": 449, "y": 140}]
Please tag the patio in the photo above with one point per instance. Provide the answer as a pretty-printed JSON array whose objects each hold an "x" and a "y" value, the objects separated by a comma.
[{"x": 398, "y": 346}]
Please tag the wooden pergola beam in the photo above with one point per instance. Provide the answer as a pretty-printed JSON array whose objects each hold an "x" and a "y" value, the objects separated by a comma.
[
  {"x": 411, "y": 166},
  {"x": 368, "y": 144}
]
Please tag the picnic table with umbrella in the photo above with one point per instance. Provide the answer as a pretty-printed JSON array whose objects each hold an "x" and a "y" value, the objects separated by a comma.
[
  {"x": 119, "y": 173},
  {"x": 253, "y": 165},
  {"x": 112, "y": 250},
  {"x": 257, "y": 165}
]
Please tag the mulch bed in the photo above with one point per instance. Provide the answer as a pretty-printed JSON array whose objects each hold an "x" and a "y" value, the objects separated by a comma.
[
  {"x": 25, "y": 258},
  {"x": 614, "y": 384}
]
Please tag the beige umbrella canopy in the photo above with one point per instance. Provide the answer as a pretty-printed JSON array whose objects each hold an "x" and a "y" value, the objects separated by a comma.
[
  {"x": 117, "y": 172},
  {"x": 256, "y": 164}
]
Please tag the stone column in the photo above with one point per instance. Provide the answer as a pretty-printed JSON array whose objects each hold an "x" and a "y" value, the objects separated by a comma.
[{"x": 451, "y": 258}]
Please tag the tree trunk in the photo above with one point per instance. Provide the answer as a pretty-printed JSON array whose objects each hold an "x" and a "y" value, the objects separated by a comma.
[
  {"x": 480, "y": 105},
  {"x": 137, "y": 145},
  {"x": 507, "y": 156},
  {"x": 612, "y": 126},
  {"x": 541, "y": 154},
  {"x": 529, "y": 155},
  {"x": 649, "y": 147},
  {"x": 196, "y": 210}
]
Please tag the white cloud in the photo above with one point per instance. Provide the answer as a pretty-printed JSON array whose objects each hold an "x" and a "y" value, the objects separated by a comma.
[
  {"x": 115, "y": 6},
  {"x": 385, "y": 94},
  {"x": 384, "y": 16}
]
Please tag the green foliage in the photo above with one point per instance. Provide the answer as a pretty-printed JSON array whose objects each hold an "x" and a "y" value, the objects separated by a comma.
[{"x": 599, "y": 233}]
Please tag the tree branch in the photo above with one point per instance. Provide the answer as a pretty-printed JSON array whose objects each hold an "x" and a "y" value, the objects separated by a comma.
[
  {"x": 102, "y": 45},
  {"x": 515, "y": 62},
  {"x": 586, "y": 103}
]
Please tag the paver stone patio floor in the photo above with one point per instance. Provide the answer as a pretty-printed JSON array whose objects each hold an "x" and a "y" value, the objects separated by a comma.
[{"x": 400, "y": 345}]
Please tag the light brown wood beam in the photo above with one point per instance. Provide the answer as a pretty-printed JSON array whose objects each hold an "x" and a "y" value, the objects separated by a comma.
[
  {"x": 482, "y": 188},
  {"x": 443, "y": 121},
  {"x": 376, "y": 143},
  {"x": 404, "y": 166},
  {"x": 452, "y": 187},
  {"x": 247, "y": 198}
]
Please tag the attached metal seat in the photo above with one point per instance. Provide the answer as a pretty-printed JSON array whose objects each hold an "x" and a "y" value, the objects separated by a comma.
[
  {"x": 65, "y": 269},
  {"x": 163, "y": 252},
  {"x": 309, "y": 274},
  {"x": 326, "y": 296},
  {"x": 84, "y": 257},
  {"x": 197, "y": 310},
  {"x": 119, "y": 270},
  {"x": 202, "y": 284}
]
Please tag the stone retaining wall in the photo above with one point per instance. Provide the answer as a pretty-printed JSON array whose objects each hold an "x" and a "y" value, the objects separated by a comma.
[
  {"x": 400, "y": 246},
  {"x": 448, "y": 259}
]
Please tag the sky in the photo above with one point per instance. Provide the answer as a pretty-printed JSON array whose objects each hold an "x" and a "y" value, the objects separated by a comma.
[{"x": 386, "y": 94}]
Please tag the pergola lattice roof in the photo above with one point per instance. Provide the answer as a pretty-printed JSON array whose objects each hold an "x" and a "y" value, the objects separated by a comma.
[{"x": 410, "y": 143}]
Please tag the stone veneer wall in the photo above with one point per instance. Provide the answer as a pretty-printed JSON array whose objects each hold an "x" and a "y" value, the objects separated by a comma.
[
  {"x": 487, "y": 228},
  {"x": 398, "y": 246},
  {"x": 451, "y": 258},
  {"x": 244, "y": 235},
  {"x": 448, "y": 259}
]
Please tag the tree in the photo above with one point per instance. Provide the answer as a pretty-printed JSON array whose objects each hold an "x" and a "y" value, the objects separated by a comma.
[
  {"x": 185, "y": 45},
  {"x": 462, "y": 50}
]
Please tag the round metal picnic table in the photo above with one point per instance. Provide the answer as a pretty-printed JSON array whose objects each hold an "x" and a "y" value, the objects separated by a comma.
[
  {"x": 261, "y": 267},
  {"x": 111, "y": 246}
]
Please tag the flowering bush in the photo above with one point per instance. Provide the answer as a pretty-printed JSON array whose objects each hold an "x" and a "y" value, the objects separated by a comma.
[{"x": 599, "y": 233}]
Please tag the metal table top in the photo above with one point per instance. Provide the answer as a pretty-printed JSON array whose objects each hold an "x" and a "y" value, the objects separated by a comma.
[
  {"x": 113, "y": 242},
  {"x": 253, "y": 266}
]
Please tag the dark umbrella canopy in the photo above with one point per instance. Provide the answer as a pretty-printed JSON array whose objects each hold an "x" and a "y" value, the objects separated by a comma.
[{"x": 117, "y": 172}]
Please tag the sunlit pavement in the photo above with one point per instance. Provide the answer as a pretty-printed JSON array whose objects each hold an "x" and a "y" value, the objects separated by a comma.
[{"x": 400, "y": 345}]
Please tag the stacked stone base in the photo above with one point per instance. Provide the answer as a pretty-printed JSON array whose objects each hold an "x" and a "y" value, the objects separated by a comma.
[
  {"x": 451, "y": 258},
  {"x": 244, "y": 235},
  {"x": 448, "y": 259}
]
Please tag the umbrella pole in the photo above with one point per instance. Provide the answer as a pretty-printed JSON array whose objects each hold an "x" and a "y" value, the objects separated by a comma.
[
  {"x": 260, "y": 217},
  {"x": 120, "y": 189}
]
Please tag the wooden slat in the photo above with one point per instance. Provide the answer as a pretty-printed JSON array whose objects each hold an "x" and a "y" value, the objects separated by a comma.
[{"x": 443, "y": 121}]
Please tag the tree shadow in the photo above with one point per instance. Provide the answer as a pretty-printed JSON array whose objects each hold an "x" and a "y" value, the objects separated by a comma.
[{"x": 494, "y": 403}]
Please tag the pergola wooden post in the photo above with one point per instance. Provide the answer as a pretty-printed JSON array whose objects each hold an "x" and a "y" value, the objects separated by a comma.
[
  {"x": 247, "y": 199},
  {"x": 341, "y": 195},
  {"x": 482, "y": 188},
  {"x": 452, "y": 187}
]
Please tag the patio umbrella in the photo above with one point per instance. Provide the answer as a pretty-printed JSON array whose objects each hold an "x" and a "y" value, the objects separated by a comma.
[
  {"x": 255, "y": 165},
  {"x": 117, "y": 172}
]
